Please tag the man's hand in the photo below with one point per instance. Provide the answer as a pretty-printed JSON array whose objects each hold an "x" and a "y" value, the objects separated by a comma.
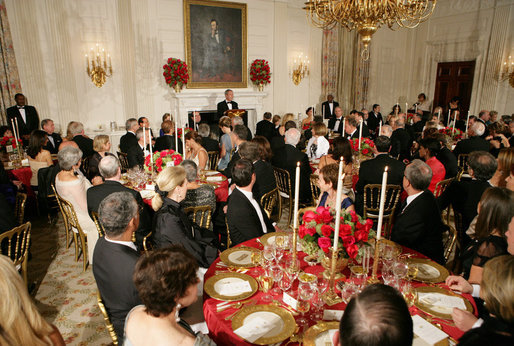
[
  {"x": 464, "y": 320},
  {"x": 458, "y": 283}
]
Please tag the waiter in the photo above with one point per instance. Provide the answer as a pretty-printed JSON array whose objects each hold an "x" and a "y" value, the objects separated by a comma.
[
  {"x": 28, "y": 119},
  {"x": 226, "y": 104}
]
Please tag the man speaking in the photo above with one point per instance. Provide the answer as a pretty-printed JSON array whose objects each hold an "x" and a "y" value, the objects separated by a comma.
[{"x": 226, "y": 104}]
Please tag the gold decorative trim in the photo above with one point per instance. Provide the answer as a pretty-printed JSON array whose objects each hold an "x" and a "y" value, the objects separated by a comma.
[
  {"x": 314, "y": 331},
  {"x": 428, "y": 309},
  {"x": 211, "y": 282}
]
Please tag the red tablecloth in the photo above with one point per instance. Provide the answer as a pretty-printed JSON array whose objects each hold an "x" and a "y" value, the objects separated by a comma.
[
  {"x": 22, "y": 174},
  {"x": 221, "y": 331}
]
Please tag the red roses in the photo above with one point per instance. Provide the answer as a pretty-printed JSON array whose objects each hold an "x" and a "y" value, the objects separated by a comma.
[
  {"x": 162, "y": 158},
  {"x": 175, "y": 72},
  {"x": 260, "y": 72}
]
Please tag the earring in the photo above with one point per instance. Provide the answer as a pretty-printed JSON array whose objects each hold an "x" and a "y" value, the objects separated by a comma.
[{"x": 177, "y": 318}]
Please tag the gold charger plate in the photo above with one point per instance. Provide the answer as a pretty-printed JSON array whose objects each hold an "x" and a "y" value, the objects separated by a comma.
[
  {"x": 265, "y": 238},
  {"x": 238, "y": 256},
  {"x": 225, "y": 278},
  {"x": 429, "y": 309},
  {"x": 280, "y": 332},
  {"x": 428, "y": 270},
  {"x": 309, "y": 339},
  {"x": 391, "y": 243}
]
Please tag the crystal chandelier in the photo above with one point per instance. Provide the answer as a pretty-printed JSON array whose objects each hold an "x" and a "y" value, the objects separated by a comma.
[{"x": 367, "y": 16}]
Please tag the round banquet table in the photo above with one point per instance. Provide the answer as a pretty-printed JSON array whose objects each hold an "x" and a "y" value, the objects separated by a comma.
[{"x": 221, "y": 332}]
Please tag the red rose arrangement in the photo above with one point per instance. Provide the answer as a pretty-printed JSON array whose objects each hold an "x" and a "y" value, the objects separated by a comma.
[
  {"x": 455, "y": 134},
  {"x": 175, "y": 72},
  {"x": 307, "y": 125},
  {"x": 410, "y": 118},
  {"x": 186, "y": 131},
  {"x": 317, "y": 232},
  {"x": 6, "y": 141},
  {"x": 163, "y": 159},
  {"x": 260, "y": 72},
  {"x": 367, "y": 146}
]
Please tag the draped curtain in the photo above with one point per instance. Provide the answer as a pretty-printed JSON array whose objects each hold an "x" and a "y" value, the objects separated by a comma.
[{"x": 9, "y": 79}]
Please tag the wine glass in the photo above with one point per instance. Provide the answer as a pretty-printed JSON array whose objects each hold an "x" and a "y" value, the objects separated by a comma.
[
  {"x": 409, "y": 293},
  {"x": 266, "y": 282},
  {"x": 276, "y": 273},
  {"x": 287, "y": 280},
  {"x": 267, "y": 255},
  {"x": 400, "y": 271},
  {"x": 305, "y": 293},
  {"x": 348, "y": 291},
  {"x": 278, "y": 253}
]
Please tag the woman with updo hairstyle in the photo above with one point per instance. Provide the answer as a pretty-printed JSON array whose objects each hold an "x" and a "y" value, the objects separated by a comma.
[
  {"x": 310, "y": 117},
  {"x": 327, "y": 183},
  {"x": 225, "y": 142},
  {"x": 166, "y": 281},
  {"x": 505, "y": 164},
  {"x": 38, "y": 157},
  {"x": 318, "y": 145},
  {"x": 194, "y": 150},
  {"x": 172, "y": 225},
  {"x": 265, "y": 153}
]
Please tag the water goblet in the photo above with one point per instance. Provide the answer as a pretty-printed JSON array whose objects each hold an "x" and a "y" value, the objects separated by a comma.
[
  {"x": 266, "y": 283},
  {"x": 267, "y": 254},
  {"x": 305, "y": 293},
  {"x": 287, "y": 280},
  {"x": 276, "y": 273}
]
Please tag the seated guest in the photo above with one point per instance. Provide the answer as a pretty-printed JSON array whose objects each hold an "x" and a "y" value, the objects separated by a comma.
[
  {"x": 196, "y": 194},
  {"x": 115, "y": 258},
  {"x": 276, "y": 122},
  {"x": 166, "y": 116},
  {"x": 264, "y": 176},
  {"x": 207, "y": 142},
  {"x": 240, "y": 121},
  {"x": 278, "y": 143},
  {"x": 307, "y": 122},
  {"x": 464, "y": 195},
  {"x": 401, "y": 140},
  {"x": 386, "y": 130},
  {"x": 371, "y": 171},
  {"x": 144, "y": 122},
  {"x": 428, "y": 149},
  {"x": 359, "y": 116},
  {"x": 167, "y": 140},
  {"x": 77, "y": 133},
  {"x": 350, "y": 129},
  {"x": 166, "y": 281},
  {"x": 318, "y": 145},
  {"x": 136, "y": 154},
  {"x": 474, "y": 142},
  {"x": 129, "y": 139},
  {"x": 245, "y": 217},
  {"x": 265, "y": 153},
  {"x": 171, "y": 224},
  {"x": 38, "y": 157},
  {"x": 5, "y": 131},
  {"x": 238, "y": 136},
  {"x": 340, "y": 147},
  {"x": 377, "y": 316},
  {"x": 54, "y": 139},
  {"x": 226, "y": 143},
  {"x": 418, "y": 224},
  {"x": 327, "y": 183},
  {"x": 265, "y": 127},
  {"x": 497, "y": 137},
  {"x": 7, "y": 221},
  {"x": 336, "y": 122},
  {"x": 505, "y": 162},
  {"x": 109, "y": 168},
  {"x": 445, "y": 156},
  {"x": 21, "y": 322},
  {"x": 195, "y": 151},
  {"x": 102, "y": 146}
]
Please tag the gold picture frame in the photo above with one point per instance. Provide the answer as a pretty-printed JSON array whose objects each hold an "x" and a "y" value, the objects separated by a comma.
[{"x": 216, "y": 44}]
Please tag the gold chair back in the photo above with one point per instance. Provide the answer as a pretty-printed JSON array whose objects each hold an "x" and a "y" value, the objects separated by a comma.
[
  {"x": 19, "y": 208},
  {"x": 372, "y": 204},
  {"x": 85, "y": 166},
  {"x": 123, "y": 161},
  {"x": 107, "y": 320},
  {"x": 67, "y": 229},
  {"x": 201, "y": 215},
  {"x": 15, "y": 245},
  {"x": 271, "y": 201},
  {"x": 314, "y": 180},
  {"x": 441, "y": 186},
  {"x": 214, "y": 156},
  {"x": 99, "y": 227},
  {"x": 450, "y": 242},
  {"x": 284, "y": 187},
  {"x": 462, "y": 162},
  {"x": 229, "y": 242}
]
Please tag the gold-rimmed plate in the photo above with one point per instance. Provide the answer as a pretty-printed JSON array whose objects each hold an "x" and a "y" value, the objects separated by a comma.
[
  {"x": 269, "y": 238},
  {"x": 439, "y": 308},
  {"x": 281, "y": 330},
  {"x": 319, "y": 334},
  {"x": 231, "y": 286},
  {"x": 427, "y": 270},
  {"x": 238, "y": 257},
  {"x": 384, "y": 242}
]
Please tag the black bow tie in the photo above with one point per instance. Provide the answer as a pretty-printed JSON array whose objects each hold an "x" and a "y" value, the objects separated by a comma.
[{"x": 21, "y": 107}]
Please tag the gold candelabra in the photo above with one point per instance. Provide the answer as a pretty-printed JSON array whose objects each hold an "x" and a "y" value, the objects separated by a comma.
[
  {"x": 97, "y": 68},
  {"x": 300, "y": 68},
  {"x": 507, "y": 71},
  {"x": 367, "y": 16}
]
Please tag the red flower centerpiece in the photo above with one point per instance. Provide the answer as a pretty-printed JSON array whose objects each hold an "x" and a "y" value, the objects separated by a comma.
[
  {"x": 10, "y": 143},
  {"x": 260, "y": 73},
  {"x": 186, "y": 131},
  {"x": 163, "y": 159},
  {"x": 175, "y": 73},
  {"x": 367, "y": 146},
  {"x": 455, "y": 134}
]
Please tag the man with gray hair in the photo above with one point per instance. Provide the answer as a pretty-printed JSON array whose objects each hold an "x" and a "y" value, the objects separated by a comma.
[
  {"x": 240, "y": 121},
  {"x": 207, "y": 142},
  {"x": 54, "y": 139},
  {"x": 85, "y": 144},
  {"x": 136, "y": 154},
  {"x": 129, "y": 139},
  {"x": 386, "y": 130},
  {"x": 238, "y": 136},
  {"x": 401, "y": 141},
  {"x": 418, "y": 224},
  {"x": 226, "y": 104},
  {"x": 474, "y": 142},
  {"x": 115, "y": 257}
]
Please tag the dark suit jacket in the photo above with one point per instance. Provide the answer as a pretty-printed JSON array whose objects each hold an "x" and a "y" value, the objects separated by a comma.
[
  {"x": 85, "y": 144},
  {"x": 291, "y": 156},
  {"x": 374, "y": 120},
  {"x": 210, "y": 144},
  {"x": 449, "y": 162},
  {"x": 243, "y": 221},
  {"x": 325, "y": 109},
  {"x": 401, "y": 142},
  {"x": 420, "y": 227},
  {"x": 365, "y": 131},
  {"x": 265, "y": 179},
  {"x": 53, "y": 149},
  {"x": 265, "y": 128},
  {"x": 127, "y": 141},
  {"x": 228, "y": 171},
  {"x": 277, "y": 144},
  {"x": 31, "y": 116},
  {"x": 222, "y": 107},
  {"x": 167, "y": 142},
  {"x": 135, "y": 156},
  {"x": 7, "y": 221},
  {"x": 332, "y": 122},
  {"x": 471, "y": 144},
  {"x": 113, "y": 267},
  {"x": 416, "y": 129},
  {"x": 355, "y": 135}
]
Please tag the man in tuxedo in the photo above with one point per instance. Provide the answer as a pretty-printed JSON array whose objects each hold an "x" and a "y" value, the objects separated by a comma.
[
  {"x": 265, "y": 178},
  {"x": 371, "y": 171},
  {"x": 265, "y": 127},
  {"x": 418, "y": 224},
  {"x": 85, "y": 143},
  {"x": 416, "y": 129},
  {"x": 144, "y": 122},
  {"x": 238, "y": 136},
  {"x": 277, "y": 143},
  {"x": 474, "y": 142},
  {"x": 27, "y": 117},
  {"x": 110, "y": 170},
  {"x": 336, "y": 122},
  {"x": 115, "y": 257},
  {"x": 54, "y": 139},
  {"x": 194, "y": 119},
  {"x": 350, "y": 129},
  {"x": 328, "y": 107},
  {"x": 245, "y": 216},
  {"x": 401, "y": 140},
  {"x": 359, "y": 116},
  {"x": 136, "y": 154},
  {"x": 167, "y": 141},
  {"x": 129, "y": 139},
  {"x": 226, "y": 104},
  {"x": 208, "y": 143},
  {"x": 374, "y": 119}
]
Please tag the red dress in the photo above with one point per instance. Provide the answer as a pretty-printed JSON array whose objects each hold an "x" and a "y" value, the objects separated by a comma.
[{"x": 438, "y": 172}]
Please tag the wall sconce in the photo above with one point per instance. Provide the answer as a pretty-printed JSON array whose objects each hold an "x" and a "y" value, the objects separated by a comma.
[
  {"x": 507, "y": 71},
  {"x": 99, "y": 70},
  {"x": 300, "y": 69}
]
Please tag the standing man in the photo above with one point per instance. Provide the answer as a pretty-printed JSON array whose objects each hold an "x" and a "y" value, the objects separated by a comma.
[
  {"x": 28, "y": 119},
  {"x": 329, "y": 106},
  {"x": 374, "y": 119},
  {"x": 336, "y": 122},
  {"x": 129, "y": 139},
  {"x": 265, "y": 127},
  {"x": 54, "y": 139},
  {"x": 226, "y": 104},
  {"x": 136, "y": 154}
]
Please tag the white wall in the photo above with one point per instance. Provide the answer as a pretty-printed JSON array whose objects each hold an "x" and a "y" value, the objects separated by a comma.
[{"x": 51, "y": 37}]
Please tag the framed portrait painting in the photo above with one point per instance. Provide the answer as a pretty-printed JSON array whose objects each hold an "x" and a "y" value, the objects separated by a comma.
[{"x": 215, "y": 37}]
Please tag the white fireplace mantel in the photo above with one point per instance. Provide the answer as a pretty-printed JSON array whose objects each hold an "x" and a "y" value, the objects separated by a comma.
[{"x": 207, "y": 100}]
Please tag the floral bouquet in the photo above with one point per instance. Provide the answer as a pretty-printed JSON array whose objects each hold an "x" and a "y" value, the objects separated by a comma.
[
  {"x": 317, "y": 233},
  {"x": 307, "y": 126},
  {"x": 175, "y": 72},
  {"x": 186, "y": 131},
  {"x": 163, "y": 159},
  {"x": 5, "y": 142},
  {"x": 367, "y": 146},
  {"x": 410, "y": 118},
  {"x": 260, "y": 72},
  {"x": 455, "y": 134}
]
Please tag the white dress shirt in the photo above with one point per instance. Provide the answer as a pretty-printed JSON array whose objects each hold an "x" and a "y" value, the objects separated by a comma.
[
  {"x": 411, "y": 198},
  {"x": 229, "y": 104},
  {"x": 51, "y": 139},
  {"x": 23, "y": 115},
  {"x": 256, "y": 206},
  {"x": 126, "y": 243},
  {"x": 337, "y": 124},
  {"x": 331, "y": 106}
]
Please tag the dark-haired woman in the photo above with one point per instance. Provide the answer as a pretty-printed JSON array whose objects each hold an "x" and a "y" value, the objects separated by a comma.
[
  {"x": 194, "y": 150},
  {"x": 428, "y": 150},
  {"x": 38, "y": 157},
  {"x": 340, "y": 147}
]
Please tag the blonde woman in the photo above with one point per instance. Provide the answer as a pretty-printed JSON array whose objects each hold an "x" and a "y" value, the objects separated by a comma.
[
  {"x": 194, "y": 150},
  {"x": 505, "y": 164},
  {"x": 101, "y": 146},
  {"x": 20, "y": 321},
  {"x": 318, "y": 145},
  {"x": 287, "y": 117},
  {"x": 172, "y": 225}
]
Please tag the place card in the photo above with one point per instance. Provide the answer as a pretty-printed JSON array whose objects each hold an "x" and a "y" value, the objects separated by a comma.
[
  {"x": 290, "y": 301},
  {"x": 442, "y": 300},
  {"x": 332, "y": 315},
  {"x": 233, "y": 288},
  {"x": 150, "y": 186},
  {"x": 170, "y": 164},
  {"x": 428, "y": 333},
  {"x": 257, "y": 327}
]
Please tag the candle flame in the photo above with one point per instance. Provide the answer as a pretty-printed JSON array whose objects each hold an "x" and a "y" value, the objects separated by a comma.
[
  {"x": 298, "y": 164},
  {"x": 386, "y": 168}
]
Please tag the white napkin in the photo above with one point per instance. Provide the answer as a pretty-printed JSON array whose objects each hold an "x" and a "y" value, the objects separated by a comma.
[
  {"x": 211, "y": 173},
  {"x": 429, "y": 333},
  {"x": 215, "y": 178},
  {"x": 442, "y": 302},
  {"x": 256, "y": 327},
  {"x": 332, "y": 315},
  {"x": 25, "y": 162},
  {"x": 233, "y": 288}
]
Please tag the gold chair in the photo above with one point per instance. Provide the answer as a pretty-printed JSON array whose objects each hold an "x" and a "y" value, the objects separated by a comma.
[
  {"x": 146, "y": 244},
  {"x": 314, "y": 180},
  {"x": 201, "y": 215},
  {"x": 99, "y": 227},
  {"x": 372, "y": 204},
  {"x": 462, "y": 163},
  {"x": 449, "y": 242},
  {"x": 123, "y": 161},
  {"x": 19, "y": 208},
  {"x": 440, "y": 187},
  {"x": 229, "y": 242},
  {"x": 15, "y": 245},
  {"x": 271, "y": 201},
  {"x": 107, "y": 320},
  {"x": 67, "y": 229},
  {"x": 212, "y": 163},
  {"x": 85, "y": 166},
  {"x": 284, "y": 187}
]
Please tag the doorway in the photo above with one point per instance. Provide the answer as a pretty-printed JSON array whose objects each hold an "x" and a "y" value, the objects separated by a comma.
[{"x": 454, "y": 79}]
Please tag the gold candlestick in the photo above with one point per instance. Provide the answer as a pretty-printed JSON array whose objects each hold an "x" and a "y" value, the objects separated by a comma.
[
  {"x": 330, "y": 297},
  {"x": 294, "y": 263},
  {"x": 374, "y": 276}
]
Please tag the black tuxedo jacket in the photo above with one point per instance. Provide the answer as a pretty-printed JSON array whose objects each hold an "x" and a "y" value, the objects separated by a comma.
[
  {"x": 365, "y": 131},
  {"x": 228, "y": 171},
  {"x": 265, "y": 179},
  {"x": 291, "y": 156},
  {"x": 332, "y": 123},
  {"x": 53, "y": 148},
  {"x": 113, "y": 267},
  {"x": 354, "y": 135},
  {"x": 127, "y": 141},
  {"x": 222, "y": 107},
  {"x": 471, "y": 144},
  {"x": 85, "y": 144},
  {"x": 7, "y": 221},
  {"x": 401, "y": 142},
  {"x": 135, "y": 156},
  {"x": 374, "y": 120},
  {"x": 242, "y": 218},
  {"x": 419, "y": 227},
  {"x": 449, "y": 162},
  {"x": 266, "y": 129},
  {"x": 25, "y": 128},
  {"x": 326, "y": 109},
  {"x": 210, "y": 144},
  {"x": 416, "y": 129},
  {"x": 167, "y": 142}
]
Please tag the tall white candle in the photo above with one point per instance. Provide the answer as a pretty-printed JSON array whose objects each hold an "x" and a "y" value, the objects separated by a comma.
[
  {"x": 416, "y": 108},
  {"x": 194, "y": 120},
  {"x": 339, "y": 195},
  {"x": 144, "y": 141},
  {"x": 323, "y": 111},
  {"x": 396, "y": 108},
  {"x": 344, "y": 125},
  {"x": 17, "y": 127},
  {"x": 296, "y": 195},
  {"x": 406, "y": 108},
  {"x": 15, "y": 136},
  {"x": 438, "y": 116},
  {"x": 467, "y": 123},
  {"x": 176, "y": 137},
  {"x": 449, "y": 115},
  {"x": 360, "y": 134},
  {"x": 151, "y": 151},
  {"x": 379, "y": 128},
  {"x": 184, "y": 142},
  {"x": 382, "y": 204},
  {"x": 453, "y": 127}
]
